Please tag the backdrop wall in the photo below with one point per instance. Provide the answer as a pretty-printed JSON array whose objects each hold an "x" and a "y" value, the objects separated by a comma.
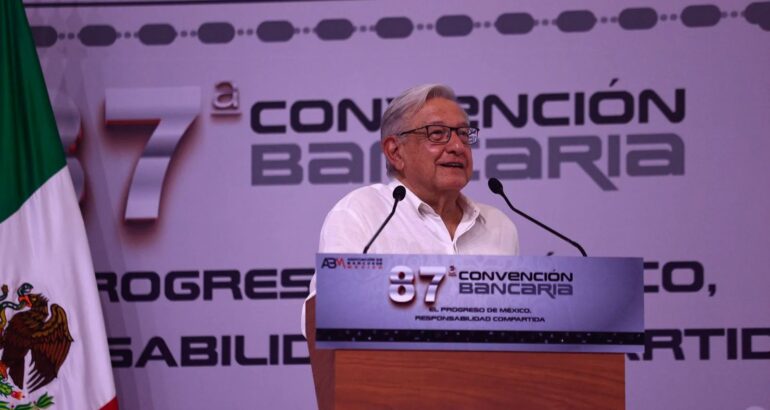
[{"x": 208, "y": 142}]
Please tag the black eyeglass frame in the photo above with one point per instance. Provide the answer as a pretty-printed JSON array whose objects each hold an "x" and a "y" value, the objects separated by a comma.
[{"x": 473, "y": 134}]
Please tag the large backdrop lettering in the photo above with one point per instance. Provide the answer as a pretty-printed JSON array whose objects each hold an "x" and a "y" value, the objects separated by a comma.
[{"x": 209, "y": 140}]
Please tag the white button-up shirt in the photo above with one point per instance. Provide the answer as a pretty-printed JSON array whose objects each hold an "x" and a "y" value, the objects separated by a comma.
[{"x": 415, "y": 228}]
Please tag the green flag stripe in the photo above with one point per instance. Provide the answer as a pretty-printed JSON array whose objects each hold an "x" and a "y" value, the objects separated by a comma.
[{"x": 30, "y": 148}]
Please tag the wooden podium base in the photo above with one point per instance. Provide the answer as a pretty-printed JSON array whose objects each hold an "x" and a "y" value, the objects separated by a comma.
[{"x": 391, "y": 379}]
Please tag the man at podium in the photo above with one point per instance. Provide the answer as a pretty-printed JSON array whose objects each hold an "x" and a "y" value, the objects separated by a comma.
[
  {"x": 426, "y": 138},
  {"x": 375, "y": 354}
]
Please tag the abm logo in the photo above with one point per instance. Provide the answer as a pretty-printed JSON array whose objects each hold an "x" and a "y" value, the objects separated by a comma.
[{"x": 333, "y": 263}]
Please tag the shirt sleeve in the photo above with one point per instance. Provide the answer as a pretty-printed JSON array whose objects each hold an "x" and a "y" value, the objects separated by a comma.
[{"x": 343, "y": 231}]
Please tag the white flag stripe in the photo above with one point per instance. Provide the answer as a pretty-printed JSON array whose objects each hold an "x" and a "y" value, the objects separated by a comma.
[{"x": 44, "y": 243}]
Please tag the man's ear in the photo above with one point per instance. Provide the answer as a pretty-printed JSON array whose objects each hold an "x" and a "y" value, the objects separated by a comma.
[{"x": 392, "y": 150}]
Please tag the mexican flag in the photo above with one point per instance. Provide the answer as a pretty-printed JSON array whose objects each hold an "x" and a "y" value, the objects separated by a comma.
[{"x": 53, "y": 347}]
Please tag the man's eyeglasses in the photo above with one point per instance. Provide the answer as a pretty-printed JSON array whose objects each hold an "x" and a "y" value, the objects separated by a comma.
[{"x": 441, "y": 134}]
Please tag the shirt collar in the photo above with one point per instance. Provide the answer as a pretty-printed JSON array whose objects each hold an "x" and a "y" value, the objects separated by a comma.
[{"x": 471, "y": 211}]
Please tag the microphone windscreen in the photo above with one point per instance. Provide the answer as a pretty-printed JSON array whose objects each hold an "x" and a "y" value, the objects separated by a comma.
[
  {"x": 399, "y": 193},
  {"x": 495, "y": 186}
]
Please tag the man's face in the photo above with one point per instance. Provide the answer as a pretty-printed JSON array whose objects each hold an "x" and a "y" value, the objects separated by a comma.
[{"x": 429, "y": 168}]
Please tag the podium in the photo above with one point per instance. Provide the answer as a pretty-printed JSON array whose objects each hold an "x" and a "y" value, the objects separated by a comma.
[{"x": 403, "y": 378}]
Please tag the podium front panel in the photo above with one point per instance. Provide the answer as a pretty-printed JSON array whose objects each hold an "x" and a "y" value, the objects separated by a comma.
[{"x": 492, "y": 303}]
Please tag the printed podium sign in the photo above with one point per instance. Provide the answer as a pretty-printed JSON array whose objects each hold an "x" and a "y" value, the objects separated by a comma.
[{"x": 452, "y": 302}]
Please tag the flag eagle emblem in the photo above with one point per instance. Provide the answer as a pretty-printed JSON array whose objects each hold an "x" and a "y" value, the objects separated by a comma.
[{"x": 36, "y": 329}]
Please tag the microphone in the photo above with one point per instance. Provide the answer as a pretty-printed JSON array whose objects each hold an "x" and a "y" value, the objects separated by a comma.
[
  {"x": 398, "y": 195},
  {"x": 497, "y": 187}
]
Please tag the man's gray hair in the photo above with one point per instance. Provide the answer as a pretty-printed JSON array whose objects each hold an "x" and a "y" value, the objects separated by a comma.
[{"x": 409, "y": 102}]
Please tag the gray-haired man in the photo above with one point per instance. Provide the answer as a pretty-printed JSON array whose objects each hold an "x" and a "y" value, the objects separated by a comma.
[{"x": 426, "y": 139}]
